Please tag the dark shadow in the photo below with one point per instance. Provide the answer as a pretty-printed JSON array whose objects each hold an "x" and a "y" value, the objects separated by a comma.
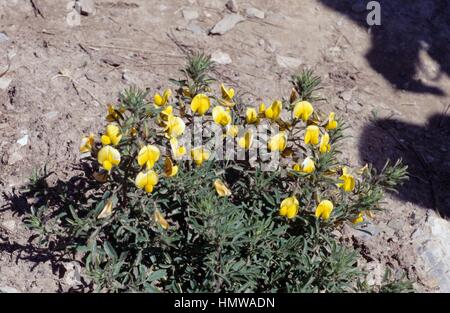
[
  {"x": 426, "y": 151},
  {"x": 407, "y": 27},
  {"x": 51, "y": 200}
]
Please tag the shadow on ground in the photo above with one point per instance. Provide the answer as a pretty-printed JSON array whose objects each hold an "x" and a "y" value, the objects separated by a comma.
[
  {"x": 426, "y": 151},
  {"x": 48, "y": 201},
  {"x": 407, "y": 27}
]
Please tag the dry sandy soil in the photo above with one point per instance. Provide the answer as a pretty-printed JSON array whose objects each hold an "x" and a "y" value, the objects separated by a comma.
[{"x": 397, "y": 70}]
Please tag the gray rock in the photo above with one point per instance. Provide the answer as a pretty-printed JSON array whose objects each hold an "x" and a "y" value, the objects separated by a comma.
[
  {"x": 346, "y": 95},
  {"x": 221, "y": 57},
  {"x": 375, "y": 274},
  {"x": 51, "y": 115},
  {"x": 10, "y": 225},
  {"x": 3, "y": 37},
  {"x": 72, "y": 276},
  {"x": 232, "y": 6},
  {"x": 23, "y": 141},
  {"x": 196, "y": 29},
  {"x": 190, "y": 14},
  {"x": 226, "y": 24},
  {"x": 255, "y": 13},
  {"x": 7, "y": 289},
  {"x": 5, "y": 82},
  {"x": 85, "y": 7},
  {"x": 288, "y": 62},
  {"x": 432, "y": 242}
]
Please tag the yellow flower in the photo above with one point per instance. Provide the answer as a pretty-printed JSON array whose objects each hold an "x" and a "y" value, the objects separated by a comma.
[
  {"x": 112, "y": 135},
  {"x": 289, "y": 207},
  {"x": 312, "y": 135},
  {"x": 232, "y": 131},
  {"x": 358, "y": 219},
  {"x": 227, "y": 94},
  {"x": 170, "y": 169},
  {"x": 277, "y": 142},
  {"x": 221, "y": 189},
  {"x": 308, "y": 165},
  {"x": 297, "y": 167},
  {"x": 159, "y": 218},
  {"x": 148, "y": 155},
  {"x": 348, "y": 183},
  {"x": 221, "y": 116},
  {"x": 200, "y": 104},
  {"x": 199, "y": 155},
  {"x": 162, "y": 100},
  {"x": 112, "y": 114},
  {"x": 107, "y": 210},
  {"x": 146, "y": 180},
  {"x": 302, "y": 110},
  {"x": 324, "y": 209},
  {"x": 177, "y": 151},
  {"x": 87, "y": 143},
  {"x": 251, "y": 116},
  {"x": 325, "y": 143},
  {"x": 108, "y": 157},
  {"x": 262, "y": 108},
  {"x": 175, "y": 126},
  {"x": 246, "y": 141},
  {"x": 332, "y": 123},
  {"x": 274, "y": 111}
]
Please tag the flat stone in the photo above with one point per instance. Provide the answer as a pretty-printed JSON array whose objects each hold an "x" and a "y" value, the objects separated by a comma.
[
  {"x": 51, "y": 115},
  {"x": 288, "y": 62},
  {"x": 85, "y": 7},
  {"x": 432, "y": 242},
  {"x": 255, "y": 13},
  {"x": 3, "y": 37},
  {"x": 190, "y": 14},
  {"x": 232, "y": 6},
  {"x": 72, "y": 276},
  {"x": 196, "y": 29},
  {"x": 226, "y": 24},
  {"x": 7, "y": 289},
  {"x": 221, "y": 57},
  {"x": 4, "y": 82},
  {"x": 10, "y": 225},
  {"x": 23, "y": 141}
]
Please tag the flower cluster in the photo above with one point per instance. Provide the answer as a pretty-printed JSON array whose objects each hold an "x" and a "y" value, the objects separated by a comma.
[{"x": 301, "y": 158}]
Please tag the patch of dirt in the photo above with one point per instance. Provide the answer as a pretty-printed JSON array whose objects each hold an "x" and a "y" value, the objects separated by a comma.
[{"x": 138, "y": 43}]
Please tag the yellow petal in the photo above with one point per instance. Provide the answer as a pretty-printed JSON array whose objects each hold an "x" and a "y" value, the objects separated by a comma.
[
  {"x": 274, "y": 111},
  {"x": 358, "y": 219},
  {"x": 308, "y": 165},
  {"x": 324, "y": 209},
  {"x": 107, "y": 210},
  {"x": 277, "y": 142},
  {"x": 158, "y": 100},
  {"x": 325, "y": 143},
  {"x": 246, "y": 141},
  {"x": 332, "y": 123},
  {"x": 169, "y": 169},
  {"x": 200, "y": 104},
  {"x": 227, "y": 94},
  {"x": 221, "y": 116},
  {"x": 251, "y": 116},
  {"x": 289, "y": 207},
  {"x": 148, "y": 155},
  {"x": 108, "y": 156},
  {"x": 105, "y": 140},
  {"x": 221, "y": 189},
  {"x": 312, "y": 135},
  {"x": 159, "y": 218},
  {"x": 302, "y": 110},
  {"x": 232, "y": 131}
]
